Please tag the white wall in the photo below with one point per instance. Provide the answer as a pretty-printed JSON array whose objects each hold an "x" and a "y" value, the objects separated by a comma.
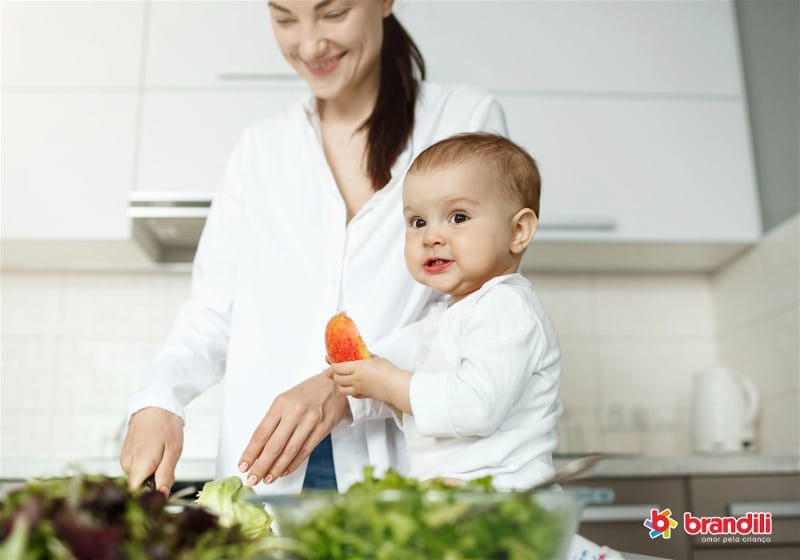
[
  {"x": 756, "y": 302},
  {"x": 74, "y": 345}
]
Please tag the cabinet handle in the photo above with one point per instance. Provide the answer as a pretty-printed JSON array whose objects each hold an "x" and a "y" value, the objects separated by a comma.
[
  {"x": 168, "y": 205},
  {"x": 257, "y": 77},
  {"x": 623, "y": 512},
  {"x": 777, "y": 509},
  {"x": 167, "y": 212},
  {"x": 580, "y": 224}
]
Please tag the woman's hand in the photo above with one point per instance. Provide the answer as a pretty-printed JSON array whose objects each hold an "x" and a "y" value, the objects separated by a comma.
[
  {"x": 153, "y": 445},
  {"x": 375, "y": 378},
  {"x": 293, "y": 426}
]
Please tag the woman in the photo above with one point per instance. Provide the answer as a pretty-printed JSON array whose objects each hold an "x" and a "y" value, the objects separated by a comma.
[{"x": 307, "y": 222}]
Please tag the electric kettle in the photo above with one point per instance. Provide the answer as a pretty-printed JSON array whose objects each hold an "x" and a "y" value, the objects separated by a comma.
[{"x": 725, "y": 406}]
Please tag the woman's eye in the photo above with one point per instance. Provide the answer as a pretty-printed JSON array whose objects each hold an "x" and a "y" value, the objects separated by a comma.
[
  {"x": 284, "y": 21},
  {"x": 458, "y": 218},
  {"x": 416, "y": 223},
  {"x": 339, "y": 14}
]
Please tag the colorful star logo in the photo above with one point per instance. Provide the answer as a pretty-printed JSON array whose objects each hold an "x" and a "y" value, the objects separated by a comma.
[{"x": 660, "y": 523}]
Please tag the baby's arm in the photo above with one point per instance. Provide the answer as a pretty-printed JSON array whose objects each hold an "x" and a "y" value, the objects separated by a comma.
[
  {"x": 400, "y": 348},
  {"x": 502, "y": 348},
  {"x": 375, "y": 378}
]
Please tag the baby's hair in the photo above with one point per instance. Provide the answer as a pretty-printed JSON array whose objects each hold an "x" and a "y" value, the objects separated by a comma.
[{"x": 514, "y": 168}]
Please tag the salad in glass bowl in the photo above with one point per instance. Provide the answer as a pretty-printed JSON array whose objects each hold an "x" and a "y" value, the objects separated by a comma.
[{"x": 397, "y": 518}]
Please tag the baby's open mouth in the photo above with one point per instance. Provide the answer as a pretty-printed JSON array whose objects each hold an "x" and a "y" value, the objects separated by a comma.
[{"x": 436, "y": 265}]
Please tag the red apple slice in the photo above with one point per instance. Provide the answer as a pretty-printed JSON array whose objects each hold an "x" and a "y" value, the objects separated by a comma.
[{"x": 342, "y": 340}]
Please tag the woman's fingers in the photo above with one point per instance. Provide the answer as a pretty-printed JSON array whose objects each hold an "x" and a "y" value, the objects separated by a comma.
[
  {"x": 165, "y": 472},
  {"x": 259, "y": 439},
  {"x": 153, "y": 444},
  {"x": 301, "y": 443},
  {"x": 316, "y": 436},
  {"x": 140, "y": 468},
  {"x": 313, "y": 406},
  {"x": 272, "y": 448}
]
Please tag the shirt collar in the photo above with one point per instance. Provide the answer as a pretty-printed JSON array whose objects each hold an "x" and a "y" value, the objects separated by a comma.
[
  {"x": 402, "y": 162},
  {"x": 310, "y": 109}
]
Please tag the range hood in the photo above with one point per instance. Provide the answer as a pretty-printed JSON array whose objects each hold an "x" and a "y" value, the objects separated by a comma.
[{"x": 167, "y": 225}]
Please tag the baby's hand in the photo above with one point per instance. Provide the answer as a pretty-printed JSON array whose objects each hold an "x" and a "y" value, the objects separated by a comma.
[
  {"x": 363, "y": 378},
  {"x": 376, "y": 378}
]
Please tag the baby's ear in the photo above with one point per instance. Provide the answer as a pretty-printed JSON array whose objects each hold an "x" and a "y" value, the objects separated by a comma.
[{"x": 523, "y": 226}]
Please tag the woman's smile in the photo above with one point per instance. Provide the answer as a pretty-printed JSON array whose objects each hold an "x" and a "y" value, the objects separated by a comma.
[{"x": 324, "y": 66}]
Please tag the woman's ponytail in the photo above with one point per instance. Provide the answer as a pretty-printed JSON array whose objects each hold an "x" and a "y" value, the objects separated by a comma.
[{"x": 392, "y": 120}]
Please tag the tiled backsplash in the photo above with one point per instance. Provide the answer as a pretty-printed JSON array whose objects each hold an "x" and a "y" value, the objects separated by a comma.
[
  {"x": 756, "y": 301},
  {"x": 74, "y": 345}
]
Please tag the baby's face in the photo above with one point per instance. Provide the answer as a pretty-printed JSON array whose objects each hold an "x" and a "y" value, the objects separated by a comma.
[{"x": 458, "y": 228}]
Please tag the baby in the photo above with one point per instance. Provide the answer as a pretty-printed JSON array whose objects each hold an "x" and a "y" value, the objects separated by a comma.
[{"x": 482, "y": 398}]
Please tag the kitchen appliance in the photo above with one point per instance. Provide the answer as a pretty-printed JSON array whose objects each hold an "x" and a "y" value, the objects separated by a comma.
[
  {"x": 725, "y": 405},
  {"x": 167, "y": 225}
]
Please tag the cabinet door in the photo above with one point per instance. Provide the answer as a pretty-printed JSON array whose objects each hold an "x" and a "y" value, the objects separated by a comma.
[
  {"x": 736, "y": 495},
  {"x": 750, "y": 553},
  {"x": 76, "y": 44},
  {"x": 639, "y": 169},
  {"x": 67, "y": 164},
  {"x": 216, "y": 43},
  {"x": 620, "y": 525},
  {"x": 657, "y": 47},
  {"x": 186, "y": 137}
]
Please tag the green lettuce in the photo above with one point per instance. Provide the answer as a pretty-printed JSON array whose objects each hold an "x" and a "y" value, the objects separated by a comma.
[{"x": 227, "y": 497}]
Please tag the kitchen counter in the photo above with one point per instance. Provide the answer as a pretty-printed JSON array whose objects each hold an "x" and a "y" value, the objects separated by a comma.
[
  {"x": 643, "y": 466},
  {"x": 188, "y": 469},
  {"x": 633, "y": 466}
]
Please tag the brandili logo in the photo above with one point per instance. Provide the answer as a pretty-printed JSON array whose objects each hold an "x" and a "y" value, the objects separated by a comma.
[{"x": 660, "y": 523}]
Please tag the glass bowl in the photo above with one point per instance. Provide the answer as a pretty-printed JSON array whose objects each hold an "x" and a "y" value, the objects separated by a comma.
[{"x": 411, "y": 524}]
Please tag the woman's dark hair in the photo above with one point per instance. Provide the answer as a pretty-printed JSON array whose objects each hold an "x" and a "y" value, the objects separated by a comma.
[{"x": 392, "y": 120}]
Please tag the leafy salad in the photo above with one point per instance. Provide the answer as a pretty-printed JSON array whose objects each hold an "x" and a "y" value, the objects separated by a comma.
[
  {"x": 398, "y": 518},
  {"x": 95, "y": 517}
]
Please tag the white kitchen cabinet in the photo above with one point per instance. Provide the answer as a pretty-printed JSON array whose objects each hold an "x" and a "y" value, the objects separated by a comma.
[
  {"x": 186, "y": 137},
  {"x": 639, "y": 169},
  {"x": 72, "y": 44},
  {"x": 70, "y": 96},
  {"x": 635, "y": 112},
  {"x": 584, "y": 47},
  {"x": 67, "y": 165},
  {"x": 212, "y": 44}
]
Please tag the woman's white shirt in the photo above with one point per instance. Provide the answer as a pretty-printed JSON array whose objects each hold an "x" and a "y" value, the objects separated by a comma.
[
  {"x": 484, "y": 389},
  {"x": 277, "y": 259}
]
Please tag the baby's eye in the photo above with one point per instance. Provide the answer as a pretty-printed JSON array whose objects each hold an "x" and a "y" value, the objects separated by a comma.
[
  {"x": 416, "y": 223},
  {"x": 458, "y": 218}
]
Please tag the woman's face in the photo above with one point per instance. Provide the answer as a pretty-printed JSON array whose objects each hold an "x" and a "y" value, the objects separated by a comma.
[{"x": 334, "y": 45}]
